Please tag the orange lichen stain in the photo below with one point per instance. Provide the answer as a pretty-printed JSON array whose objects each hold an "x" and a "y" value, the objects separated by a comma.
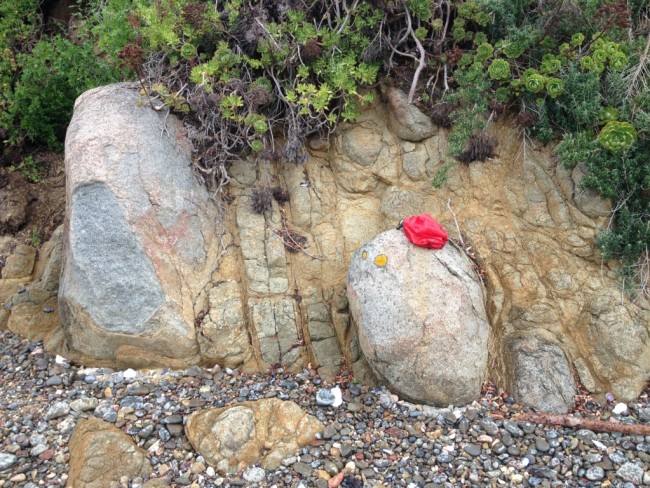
[
  {"x": 364, "y": 255},
  {"x": 381, "y": 260}
]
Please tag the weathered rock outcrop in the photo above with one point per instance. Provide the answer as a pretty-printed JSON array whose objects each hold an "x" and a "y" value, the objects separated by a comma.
[
  {"x": 14, "y": 204},
  {"x": 34, "y": 310},
  {"x": 421, "y": 319},
  {"x": 264, "y": 431},
  {"x": 20, "y": 263},
  {"x": 140, "y": 235},
  {"x": 101, "y": 454},
  {"x": 246, "y": 292},
  {"x": 29, "y": 300}
]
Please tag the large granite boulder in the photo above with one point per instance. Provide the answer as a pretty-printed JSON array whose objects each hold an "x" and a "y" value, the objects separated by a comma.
[
  {"x": 421, "y": 318},
  {"x": 264, "y": 431},
  {"x": 140, "y": 237}
]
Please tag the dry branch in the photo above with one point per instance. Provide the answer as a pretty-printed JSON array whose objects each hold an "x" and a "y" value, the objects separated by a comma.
[{"x": 581, "y": 423}]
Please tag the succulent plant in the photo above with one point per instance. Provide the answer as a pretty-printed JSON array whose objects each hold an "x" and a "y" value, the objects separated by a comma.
[
  {"x": 458, "y": 33},
  {"x": 502, "y": 94},
  {"x": 554, "y": 87},
  {"x": 587, "y": 63},
  {"x": 607, "y": 114},
  {"x": 188, "y": 50},
  {"x": 480, "y": 38},
  {"x": 534, "y": 82},
  {"x": 617, "y": 136},
  {"x": 224, "y": 57},
  {"x": 484, "y": 51},
  {"x": 514, "y": 49},
  {"x": 499, "y": 69},
  {"x": 599, "y": 41},
  {"x": 577, "y": 39},
  {"x": 599, "y": 55},
  {"x": 618, "y": 61},
  {"x": 550, "y": 65},
  {"x": 611, "y": 48}
]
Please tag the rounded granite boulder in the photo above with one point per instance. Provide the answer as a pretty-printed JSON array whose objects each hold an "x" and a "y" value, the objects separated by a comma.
[{"x": 421, "y": 318}]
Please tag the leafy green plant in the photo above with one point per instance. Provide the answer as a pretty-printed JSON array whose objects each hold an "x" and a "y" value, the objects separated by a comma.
[
  {"x": 441, "y": 175},
  {"x": 617, "y": 136},
  {"x": 554, "y": 87},
  {"x": 533, "y": 81},
  {"x": 607, "y": 114},
  {"x": 19, "y": 27},
  {"x": 41, "y": 75},
  {"x": 499, "y": 69},
  {"x": 35, "y": 237},
  {"x": 29, "y": 168},
  {"x": 53, "y": 75}
]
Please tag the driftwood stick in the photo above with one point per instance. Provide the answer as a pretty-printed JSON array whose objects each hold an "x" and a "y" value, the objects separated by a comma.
[{"x": 580, "y": 423}]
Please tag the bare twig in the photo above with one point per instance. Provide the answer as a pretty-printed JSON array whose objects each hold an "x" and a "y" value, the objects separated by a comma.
[
  {"x": 347, "y": 16},
  {"x": 460, "y": 236},
  {"x": 581, "y": 423},
  {"x": 445, "y": 79},
  {"x": 421, "y": 61},
  {"x": 641, "y": 71}
]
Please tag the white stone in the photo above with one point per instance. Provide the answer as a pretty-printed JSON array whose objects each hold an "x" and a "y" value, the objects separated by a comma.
[
  {"x": 338, "y": 396},
  {"x": 129, "y": 374},
  {"x": 254, "y": 474}
]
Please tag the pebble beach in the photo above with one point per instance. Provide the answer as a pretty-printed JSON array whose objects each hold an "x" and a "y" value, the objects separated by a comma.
[{"x": 372, "y": 439}]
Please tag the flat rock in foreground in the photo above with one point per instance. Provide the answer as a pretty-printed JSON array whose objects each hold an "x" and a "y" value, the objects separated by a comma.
[
  {"x": 101, "y": 453},
  {"x": 264, "y": 431}
]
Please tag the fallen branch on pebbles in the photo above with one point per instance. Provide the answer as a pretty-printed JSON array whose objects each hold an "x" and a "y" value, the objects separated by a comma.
[{"x": 580, "y": 423}]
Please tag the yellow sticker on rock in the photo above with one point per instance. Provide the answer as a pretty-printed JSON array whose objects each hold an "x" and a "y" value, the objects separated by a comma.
[
  {"x": 364, "y": 255},
  {"x": 381, "y": 260}
]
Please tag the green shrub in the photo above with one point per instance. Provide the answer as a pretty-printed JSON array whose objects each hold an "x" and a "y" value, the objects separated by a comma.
[
  {"x": 30, "y": 169},
  {"x": 53, "y": 75},
  {"x": 623, "y": 177},
  {"x": 19, "y": 26},
  {"x": 108, "y": 24},
  {"x": 41, "y": 75}
]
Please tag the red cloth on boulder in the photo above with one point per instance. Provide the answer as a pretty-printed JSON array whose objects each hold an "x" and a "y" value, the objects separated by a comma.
[{"x": 424, "y": 231}]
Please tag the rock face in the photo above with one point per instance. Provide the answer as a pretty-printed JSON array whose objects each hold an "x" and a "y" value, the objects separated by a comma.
[
  {"x": 34, "y": 311},
  {"x": 264, "y": 431},
  {"x": 29, "y": 302},
  {"x": 242, "y": 292},
  {"x": 531, "y": 357},
  {"x": 101, "y": 454},
  {"x": 404, "y": 119},
  {"x": 421, "y": 319},
  {"x": 14, "y": 206},
  {"x": 140, "y": 237},
  {"x": 20, "y": 263}
]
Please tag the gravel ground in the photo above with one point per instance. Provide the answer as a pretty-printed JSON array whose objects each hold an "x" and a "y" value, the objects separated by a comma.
[{"x": 376, "y": 438}]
